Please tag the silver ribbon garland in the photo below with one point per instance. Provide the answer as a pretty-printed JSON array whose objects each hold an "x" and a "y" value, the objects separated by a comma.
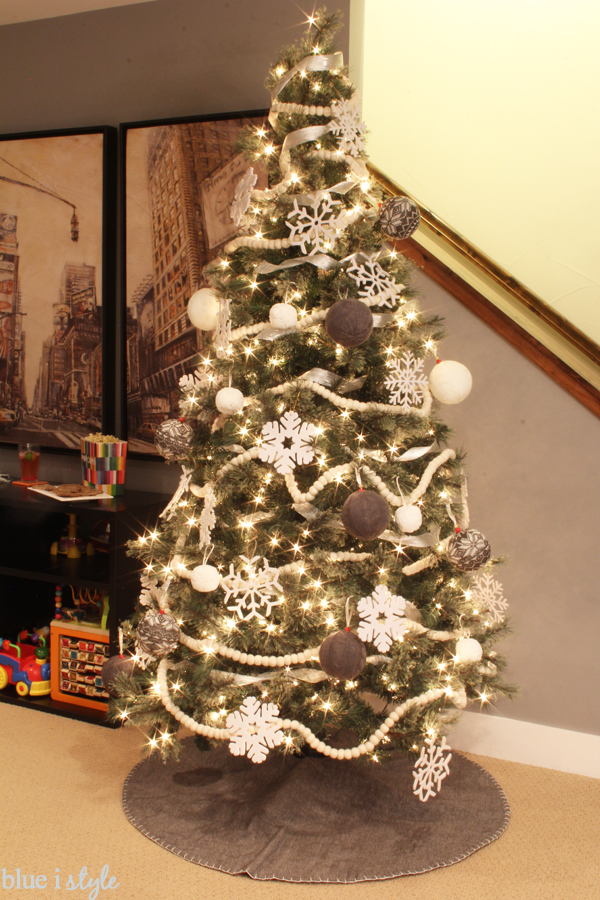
[
  {"x": 316, "y": 63},
  {"x": 295, "y": 138},
  {"x": 416, "y": 452},
  {"x": 312, "y": 199},
  {"x": 325, "y": 262},
  {"x": 421, "y": 540}
]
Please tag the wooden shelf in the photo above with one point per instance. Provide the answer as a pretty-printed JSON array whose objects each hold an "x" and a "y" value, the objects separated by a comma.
[{"x": 29, "y": 524}]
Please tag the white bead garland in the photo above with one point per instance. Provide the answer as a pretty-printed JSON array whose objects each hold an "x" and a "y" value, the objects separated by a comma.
[
  {"x": 367, "y": 746},
  {"x": 347, "y": 403}
]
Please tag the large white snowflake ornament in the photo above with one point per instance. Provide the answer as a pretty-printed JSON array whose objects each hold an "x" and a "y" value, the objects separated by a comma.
[
  {"x": 253, "y": 589},
  {"x": 241, "y": 196},
  {"x": 316, "y": 225},
  {"x": 382, "y": 618},
  {"x": 374, "y": 283},
  {"x": 287, "y": 443},
  {"x": 406, "y": 381},
  {"x": 254, "y": 728},
  {"x": 430, "y": 769},
  {"x": 487, "y": 592},
  {"x": 348, "y": 126}
]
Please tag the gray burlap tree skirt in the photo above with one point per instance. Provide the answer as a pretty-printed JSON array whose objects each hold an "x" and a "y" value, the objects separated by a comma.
[{"x": 311, "y": 819}]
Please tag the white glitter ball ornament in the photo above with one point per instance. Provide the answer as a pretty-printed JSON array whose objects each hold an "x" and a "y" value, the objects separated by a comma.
[
  {"x": 229, "y": 401},
  {"x": 205, "y": 578},
  {"x": 203, "y": 309},
  {"x": 283, "y": 315},
  {"x": 450, "y": 381},
  {"x": 409, "y": 518},
  {"x": 469, "y": 650}
]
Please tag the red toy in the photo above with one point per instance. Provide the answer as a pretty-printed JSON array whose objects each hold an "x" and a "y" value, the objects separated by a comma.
[{"x": 26, "y": 667}]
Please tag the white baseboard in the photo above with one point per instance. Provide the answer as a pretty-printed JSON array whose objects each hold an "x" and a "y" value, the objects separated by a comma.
[{"x": 524, "y": 742}]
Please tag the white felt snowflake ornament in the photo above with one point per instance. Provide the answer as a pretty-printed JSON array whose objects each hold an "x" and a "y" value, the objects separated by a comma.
[
  {"x": 255, "y": 591},
  {"x": 406, "y": 381},
  {"x": 487, "y": 592},
  {"x": 374, "y": 283},
  {"x": 430, "y": 769},
  {"x": 254, "y": 728},
  {"x": 241, "y": 196},
  {"x": 316, "y": 225},
  {"x": 382, "y": 618},
  {"x": 348, "y": 126},
  {"x": 287, "y": 443}
]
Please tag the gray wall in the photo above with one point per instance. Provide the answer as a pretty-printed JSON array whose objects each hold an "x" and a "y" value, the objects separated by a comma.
[
  {"x": 532, "y": 469},
  {"x": 532, "y": 448}
]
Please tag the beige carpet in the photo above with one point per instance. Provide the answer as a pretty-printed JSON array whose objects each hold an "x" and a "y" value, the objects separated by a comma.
[{"x": 61, "y": 785}]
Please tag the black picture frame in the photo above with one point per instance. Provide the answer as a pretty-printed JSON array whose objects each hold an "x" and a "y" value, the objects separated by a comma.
[
  {"x": 57, "y": 366},
  {"x": 178, "y": 180}
]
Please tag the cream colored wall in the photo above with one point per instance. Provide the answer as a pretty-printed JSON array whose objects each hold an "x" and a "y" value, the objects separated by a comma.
[{"x": 487, "y": 114}]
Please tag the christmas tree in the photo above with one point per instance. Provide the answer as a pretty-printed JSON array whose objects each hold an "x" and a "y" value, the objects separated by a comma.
[{"x": 313, "y": 585}]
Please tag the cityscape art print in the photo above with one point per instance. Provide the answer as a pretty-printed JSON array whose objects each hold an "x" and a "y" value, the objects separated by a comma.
[
  {"x": 52, "y": 219},
  {"x": 180, "y": 181}
]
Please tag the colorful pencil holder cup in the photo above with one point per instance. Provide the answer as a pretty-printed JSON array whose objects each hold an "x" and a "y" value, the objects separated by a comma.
[{"x": 103, "y": 465}]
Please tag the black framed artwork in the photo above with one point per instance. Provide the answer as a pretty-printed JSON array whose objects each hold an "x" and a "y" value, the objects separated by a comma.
[
  {"x": 57, "y": 286},
  {"x": 180, "y": 179}
]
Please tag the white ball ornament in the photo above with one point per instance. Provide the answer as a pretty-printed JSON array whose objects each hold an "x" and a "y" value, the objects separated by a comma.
[
  {"x": 203, "y": 309},
  {"x": 205, "y": 578},
  {"x": 409, "y": 518},
  {"x": 283, "y": 315},
  {"x": 469, "y": 650},
  {"x": 450, "y": 381},
  {"x": 229, "y": 401}
]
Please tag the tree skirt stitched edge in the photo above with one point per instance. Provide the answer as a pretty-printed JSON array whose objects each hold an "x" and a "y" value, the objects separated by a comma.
[{"x": 311, "y": 819}]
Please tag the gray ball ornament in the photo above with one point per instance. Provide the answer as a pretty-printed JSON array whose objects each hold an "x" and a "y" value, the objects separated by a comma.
[
  {"x": 468, "y": 550},
  {"x": 349, "y": 322},
  {"x": 399, "y": 217},
  {"x": 115, "y": 665},
  {"x": 173, "y": 438},
  {"x": 157, "y": 634},
  {"x": 365, "y": 514},
  {"x": 343, "y": 655}
]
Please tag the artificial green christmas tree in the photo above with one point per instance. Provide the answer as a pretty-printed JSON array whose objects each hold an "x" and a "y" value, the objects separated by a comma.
[{"x": 310, "y": 586}]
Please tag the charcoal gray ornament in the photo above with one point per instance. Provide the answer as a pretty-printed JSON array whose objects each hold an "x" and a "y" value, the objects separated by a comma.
[
  {"x": 343, "y": 655},
  {"x": 349, "y": 322},
  {"x": 173, "y": 438},
  {"x": 399, "y": 217},
  {"x": 157, "y": 634},
  {"x": 115, "y": 665},
  {"x": 365, "y": 514},
  {"x": 468, "y": 550}
]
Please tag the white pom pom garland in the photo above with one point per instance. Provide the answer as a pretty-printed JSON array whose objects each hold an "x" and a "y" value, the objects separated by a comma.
[
  {"x": 205, "y": 578},
  {"x": 450, "y": 381},
  {"x": 203, "y": 309},
  {"x": 229, "y": 401},
  {"x": 283, "y": 315}
]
